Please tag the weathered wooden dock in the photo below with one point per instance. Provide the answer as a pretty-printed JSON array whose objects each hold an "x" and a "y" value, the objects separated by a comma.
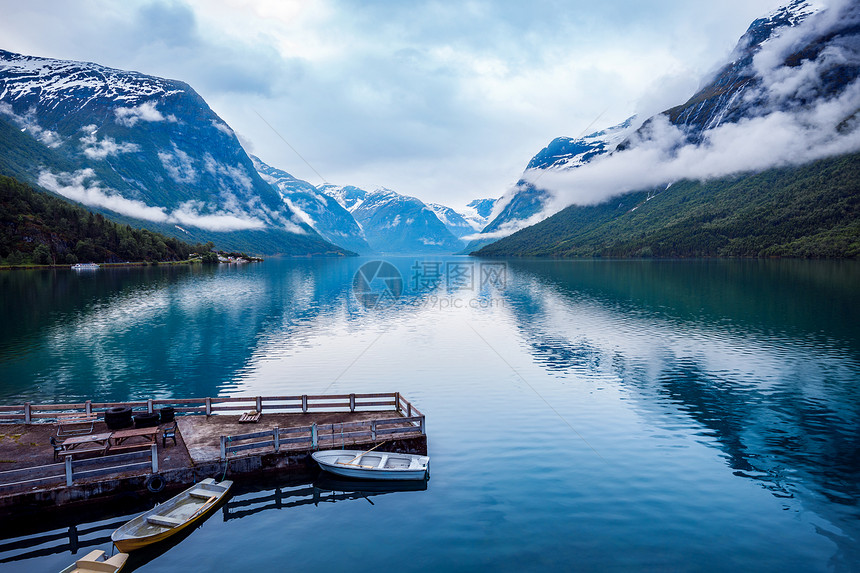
[{"x": 210, "y": 442}]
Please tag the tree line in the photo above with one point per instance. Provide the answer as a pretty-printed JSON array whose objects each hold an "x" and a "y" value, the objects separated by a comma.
[{"x": 42, "y": 229}]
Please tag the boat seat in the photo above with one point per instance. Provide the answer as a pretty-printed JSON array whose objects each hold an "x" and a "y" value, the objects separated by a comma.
[
  {"x": 164, "y": 521},
  {"x": 202, "y": 493},
  {"x": 95, "y": 566}
]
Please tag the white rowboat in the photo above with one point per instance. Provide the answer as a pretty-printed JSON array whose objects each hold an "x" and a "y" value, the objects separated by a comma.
[
  {"x": 373, "y": 465},
  {"x": 172, "y": 516}
]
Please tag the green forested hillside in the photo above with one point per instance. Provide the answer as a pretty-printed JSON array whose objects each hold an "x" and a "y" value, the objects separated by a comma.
[
  {"x": 807, "y": 211},
  {"x": 39, "y": 228}
]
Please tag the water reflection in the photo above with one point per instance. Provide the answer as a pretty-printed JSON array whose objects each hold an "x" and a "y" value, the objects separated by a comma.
[
  {"x": 71, "y": 534},
  {"x": 764, "y": 359}
]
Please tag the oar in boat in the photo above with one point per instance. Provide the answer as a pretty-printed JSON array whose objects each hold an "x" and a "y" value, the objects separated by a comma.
[
  {"x": 203, "y": 507},
  {"x": 350, "y": 462}
]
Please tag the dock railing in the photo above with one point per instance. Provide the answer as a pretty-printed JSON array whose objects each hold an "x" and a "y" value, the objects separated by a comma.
[
  {"x": 71, "y": 470},
  {"x": 410, "y": 422},
  {"x": 33, "y": 413}
]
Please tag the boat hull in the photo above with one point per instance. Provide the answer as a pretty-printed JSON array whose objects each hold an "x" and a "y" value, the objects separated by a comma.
[
  {"x": 382, "y": 466},
  {"x": 140, "y": 532}
]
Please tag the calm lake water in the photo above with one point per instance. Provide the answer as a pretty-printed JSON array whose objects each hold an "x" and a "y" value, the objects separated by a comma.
[{"x": 582, "y": 415}]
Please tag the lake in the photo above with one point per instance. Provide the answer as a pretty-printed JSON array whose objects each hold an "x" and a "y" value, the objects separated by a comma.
[{"x": 581, "y": 415}]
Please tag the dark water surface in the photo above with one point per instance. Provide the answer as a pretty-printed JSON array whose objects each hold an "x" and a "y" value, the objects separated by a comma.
[{"x": 585, "y": 415}]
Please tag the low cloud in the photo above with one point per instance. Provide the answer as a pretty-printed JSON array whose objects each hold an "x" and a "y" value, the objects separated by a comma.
[
  {"x": 100, "y": 149},
  {"x": 189, "y": 213},
  {"x": 80, "y": 186},
  {"x": 129, "y": 116},
  {"x": 795, "y": 119},
  {"x": 75, "y": 187},
  {"x": 28, "y": 123},
  {"x": 179, "y": 165}
]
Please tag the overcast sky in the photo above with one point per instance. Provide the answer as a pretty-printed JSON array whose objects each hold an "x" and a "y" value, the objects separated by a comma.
[{"x": 445, "y": 101}]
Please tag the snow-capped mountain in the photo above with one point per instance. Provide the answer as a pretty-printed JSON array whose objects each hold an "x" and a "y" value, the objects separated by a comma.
[
  {"x": 319, "y": 210},
  {"x": 477, "y": 213},
  {"x": 454, "y": 221},
  {"x": 527, "y": 200},
  {"x": 775, "y": 68},
  {"x": 348, "y": 196},
  {"x": 395, "y": 223},
  {"x": 145, "y": 150},
  {"x": 737, "y": 91},
  {"x": 741, "y": 168}
]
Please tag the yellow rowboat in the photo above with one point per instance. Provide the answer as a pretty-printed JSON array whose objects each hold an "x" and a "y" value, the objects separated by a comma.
[
  {"x": 169, "y": 518},
  {"x": 92, "y": 562}
]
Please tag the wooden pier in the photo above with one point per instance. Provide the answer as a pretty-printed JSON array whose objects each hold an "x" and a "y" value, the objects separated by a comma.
[{"x": 212, "y": 439}]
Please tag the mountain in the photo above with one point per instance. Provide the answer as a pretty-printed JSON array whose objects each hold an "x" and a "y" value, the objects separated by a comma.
[
  {"x": 319, "y": 210},
  {"x": 737, "y": 90},
  {"x": 348, "y": 196},
  {"x": 807, "y": 211},
  {"x": 527, "y": 200},
  {"x": 453, "y": 221},
  {"x": 788, "y": 99},
  {"x": 395, "y": 223},
  {"x": 143, "y": 150},
  {"x": 477, "y": 213}
]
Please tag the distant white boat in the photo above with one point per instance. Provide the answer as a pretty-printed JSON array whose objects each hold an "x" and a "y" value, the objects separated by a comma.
[
  {"x": 84, "y": 266},
  {"x": 373, "y": 465}
]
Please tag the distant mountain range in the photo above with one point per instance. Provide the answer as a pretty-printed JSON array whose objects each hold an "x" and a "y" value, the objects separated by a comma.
[
  {"x": 379, "y": 221},
  {"x": 395, "y": 223},
  {"x": 791, "y": 83}
]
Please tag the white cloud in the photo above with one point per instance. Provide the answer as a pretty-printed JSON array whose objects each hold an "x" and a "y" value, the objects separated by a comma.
[
  {"x": 100, "y": 149},
  {"x": 75, "y": 187},
  {"x": 78, "y": 187},
  {"x": 235, "y": 175},
  {"x": 777, "y": 139},
  {"x": 129, "y": 116},
  {"x": 28, "y": 123},
  {"x": 179, "y": 165},
  {"x": 189, "y": 214}
]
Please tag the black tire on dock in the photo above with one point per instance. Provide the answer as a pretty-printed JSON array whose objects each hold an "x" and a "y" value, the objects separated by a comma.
[
  {"x": 155, "y": 483},
  {"x": 146, "y": 420},
  {"x": 118, "y": 417},
  {"x": 167, "y": 414}
]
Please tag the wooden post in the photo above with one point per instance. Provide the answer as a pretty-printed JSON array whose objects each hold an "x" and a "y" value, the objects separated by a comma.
[
  {"x": 352, "y": 402},
  {"x": 27, "y": 413},
  {"x": 314, "y": 436},
  {"x": 277, "y": 436},
  {"x": 208, "y": 406},
  {"x": 223, "y": 447},
  {"x": 408, "y": 409},
  {"x": 88, "y": 406},
  {"x": 154, "y": 450},
  {"x": 397, "y": 402},
  {"x": 304, "y": 403},
  {"x": 373, "y": 430},
  {"x": 259, "y": 404},
  {"x": 422, "y": 424},
  {"x": 149, "y": 405},
  {"x": 68, "y": 471}
]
